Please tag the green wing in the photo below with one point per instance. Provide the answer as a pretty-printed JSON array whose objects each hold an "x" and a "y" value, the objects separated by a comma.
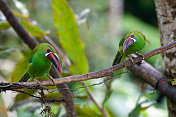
[{"x": 25, "y": 77}]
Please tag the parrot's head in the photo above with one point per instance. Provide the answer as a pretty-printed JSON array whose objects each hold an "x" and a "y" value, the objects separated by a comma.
[
  {"x": 54, "y": 59},
  {"x": 128, "y": 42}
]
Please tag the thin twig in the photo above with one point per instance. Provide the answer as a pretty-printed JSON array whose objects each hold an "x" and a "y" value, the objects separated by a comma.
[
  {"x": 97, "y": 84},
  {"x": 43, "y": 99},
  {"x": 93, "y": 99}
]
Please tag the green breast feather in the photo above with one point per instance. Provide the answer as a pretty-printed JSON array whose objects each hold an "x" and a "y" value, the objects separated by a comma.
[
  {"x": 43, "y": 55},
  {"x": 138, "y": 43}
]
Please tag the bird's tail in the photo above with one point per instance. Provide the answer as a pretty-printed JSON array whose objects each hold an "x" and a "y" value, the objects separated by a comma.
[
  {"x": 117, "y": 59},
  {"x": 108, "y": 79},
  {"x": 25, "y": 77}
]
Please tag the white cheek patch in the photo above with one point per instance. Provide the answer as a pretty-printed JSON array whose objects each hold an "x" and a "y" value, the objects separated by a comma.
[
  {"x": 47, "y": 54},
  {"x": 133, "y": 39},
  {"x": 56, "y": 55}
]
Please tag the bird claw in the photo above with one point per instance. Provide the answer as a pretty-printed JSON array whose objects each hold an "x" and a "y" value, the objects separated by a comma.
[
  {"x": 140, "y": 55},
  {"x": 52, "y": 79},
  {"x": 131, "y": 59},
  {"x": 37, "y": 81}
]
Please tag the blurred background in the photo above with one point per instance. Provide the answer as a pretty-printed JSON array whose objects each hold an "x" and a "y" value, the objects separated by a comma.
[{"x": 106, "y": 23}]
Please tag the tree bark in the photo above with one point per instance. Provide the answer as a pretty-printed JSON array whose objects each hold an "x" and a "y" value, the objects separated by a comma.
[{"x": 166, "y": 14}]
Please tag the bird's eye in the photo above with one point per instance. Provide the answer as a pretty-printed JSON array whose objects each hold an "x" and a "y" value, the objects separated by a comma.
[
  {"x": 132, "y": 35},
  {"x": 48, "y": 50},
  {"x": 133, "y": 38}
]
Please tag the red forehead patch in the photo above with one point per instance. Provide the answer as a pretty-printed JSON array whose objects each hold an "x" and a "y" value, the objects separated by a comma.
[{"x": 48, "y": 50}]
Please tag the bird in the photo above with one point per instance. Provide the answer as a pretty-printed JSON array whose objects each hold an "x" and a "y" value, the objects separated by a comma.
[
  {"x": 132, "y": 42},
  {"x": 40, "y": 62}
]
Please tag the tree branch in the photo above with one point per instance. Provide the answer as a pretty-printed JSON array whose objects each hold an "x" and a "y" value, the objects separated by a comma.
[
  {"x": 93, "y": 100},
  {"x": 31, "y": 42},
  {"x": 153, "y": 78}
]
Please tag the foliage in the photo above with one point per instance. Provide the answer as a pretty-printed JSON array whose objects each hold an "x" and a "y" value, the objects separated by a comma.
[
  {"x": 28, "y": 24},
  {"x": 68, "y": 33},
  {"x": 20, "y": 69},
  {"x": 4, "y": 25},
  {"x": 88, "y": 112},
  {"x": 33, "y": 29},
  {"x": 3, "y": 110}
]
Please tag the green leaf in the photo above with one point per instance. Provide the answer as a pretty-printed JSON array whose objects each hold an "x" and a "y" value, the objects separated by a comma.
[
  {"x": 27, "y": 111},
  {"x": 20, "y": 15},
  {"x": 33, "y": 29},
  {"x": 55, "y": 109},
  {"x": 136, "y": 111},
  {"x": 86, "y": 111},
  {"x": 174, "y": 81},
  {"x": 21, "y": 68},
  {"x": 21, "y": 99},
  {"x": 3, "y": 108},
  {"x": 68, "y": 32},
  {"x": 54, "y": 95},
  {"x": 152, "y": 96},
  {"x": 4, "y": 26},
  {"x": 23, "y": 96}
]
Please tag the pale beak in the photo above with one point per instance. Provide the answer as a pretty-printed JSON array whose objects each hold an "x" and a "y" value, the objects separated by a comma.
[
  {"x": 127, "y": 43},
  {"x": 55, "y": 60}
]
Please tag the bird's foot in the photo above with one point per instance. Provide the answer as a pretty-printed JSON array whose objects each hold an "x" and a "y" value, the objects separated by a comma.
[
  {"x": 36, "y": 81},
  {"x": 131, "y": 59},
  {"x": 52, "y": 79},
  {"x": 140, "y": 55}
]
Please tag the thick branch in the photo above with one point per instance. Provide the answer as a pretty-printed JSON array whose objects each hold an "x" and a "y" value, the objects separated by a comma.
[{"x": 155, "y": 78}]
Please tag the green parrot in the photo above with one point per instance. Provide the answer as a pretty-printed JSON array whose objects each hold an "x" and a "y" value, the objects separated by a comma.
[
  {"x": 43, "y": 55},
  {"x": 132, "y": 42}
]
